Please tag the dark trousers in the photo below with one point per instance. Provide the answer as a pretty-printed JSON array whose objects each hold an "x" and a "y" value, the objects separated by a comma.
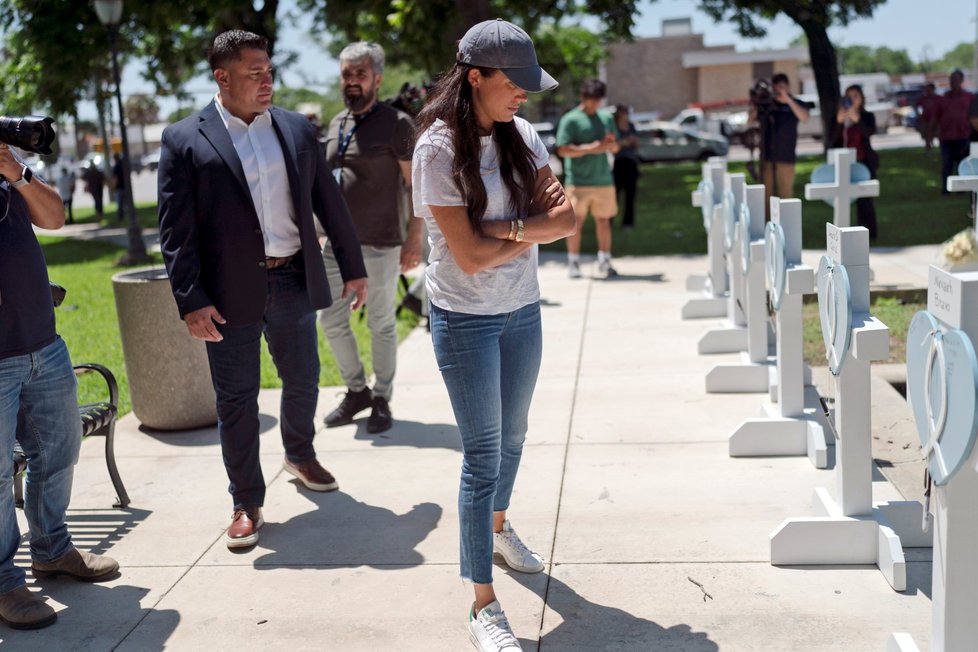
[
  {"x": 67, "y": 203},
  {"x": 289, "y": 326},
  {"x": 626, "y": 179},
  {"x": 97, "y": 193},
  {"x": 952, "y": 153},
  {"x": 866, "y": 209}
]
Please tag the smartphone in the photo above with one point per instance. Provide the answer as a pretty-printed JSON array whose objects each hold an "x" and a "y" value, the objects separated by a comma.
[{"x": 846, "y": 102}]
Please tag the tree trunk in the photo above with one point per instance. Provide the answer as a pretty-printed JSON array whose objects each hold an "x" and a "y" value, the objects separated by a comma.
[{"x": 826, "y": 67}]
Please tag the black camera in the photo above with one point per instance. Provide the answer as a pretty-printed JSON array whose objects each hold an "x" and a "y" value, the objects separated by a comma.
[
  {"x": 33, "y": 133},
  {"x": 762, "y": 96}
]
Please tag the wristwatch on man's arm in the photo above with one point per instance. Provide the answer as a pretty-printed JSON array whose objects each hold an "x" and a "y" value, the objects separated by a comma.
[{"x": 25, "y": 178}]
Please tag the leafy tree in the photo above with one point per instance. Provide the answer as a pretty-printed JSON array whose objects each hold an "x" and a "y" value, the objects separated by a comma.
[
  {"x": 857, "y": 59},
  {"x": 814, "y": 18},
  {"x": 423, "y": 35},
  {"x": 179, "y": 114},
  {"x": 142, "y": 110},
  {"x": 961, "y": 56},
  {"x": 52, "y": 57}
]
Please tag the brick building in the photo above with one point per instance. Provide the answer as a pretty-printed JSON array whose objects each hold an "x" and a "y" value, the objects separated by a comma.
[{"x": 671, "y": 72}]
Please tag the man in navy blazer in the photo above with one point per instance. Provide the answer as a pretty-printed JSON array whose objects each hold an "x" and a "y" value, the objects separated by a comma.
[{"x": 239, "y": 185}]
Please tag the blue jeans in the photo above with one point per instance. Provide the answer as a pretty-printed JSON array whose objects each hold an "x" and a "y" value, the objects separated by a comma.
[
  {"x": 490, "y": 365},
  {"x": 38, "y": 407},
  {"x": 289, "y": 326}
]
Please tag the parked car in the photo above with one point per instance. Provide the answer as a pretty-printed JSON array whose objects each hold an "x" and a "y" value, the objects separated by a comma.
[
  {"x": 667, "y": 141},
  {"x": 152, "y": 160},
  {"x": 548, "y": 134}
]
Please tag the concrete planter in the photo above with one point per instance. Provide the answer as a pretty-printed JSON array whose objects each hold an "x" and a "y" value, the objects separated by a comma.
[{"x": 169, "y": 379}]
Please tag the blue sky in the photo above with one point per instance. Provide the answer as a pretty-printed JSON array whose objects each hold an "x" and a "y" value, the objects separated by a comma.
[{"x": 914, "y": 25}]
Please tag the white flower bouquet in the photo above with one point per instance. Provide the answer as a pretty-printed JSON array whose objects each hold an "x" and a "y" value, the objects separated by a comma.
[{"x": 961, "y": 249}]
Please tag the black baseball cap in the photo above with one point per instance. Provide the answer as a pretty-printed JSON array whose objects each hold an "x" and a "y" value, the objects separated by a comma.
[{"x": 503, "y": 45}]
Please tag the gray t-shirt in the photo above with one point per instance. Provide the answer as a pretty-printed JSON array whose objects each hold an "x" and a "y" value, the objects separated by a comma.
[{"x": 501, "y": 289}]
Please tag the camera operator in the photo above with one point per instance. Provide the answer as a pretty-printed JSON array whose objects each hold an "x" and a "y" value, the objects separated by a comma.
[
  {"x": 38, "y": 403},
  {"x": 778, "y": 114}
]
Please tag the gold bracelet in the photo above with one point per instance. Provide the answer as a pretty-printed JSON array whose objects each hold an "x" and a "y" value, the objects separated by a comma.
[
  {"x": 519, "y": 230},
  {"x": 512, "y": 230}
]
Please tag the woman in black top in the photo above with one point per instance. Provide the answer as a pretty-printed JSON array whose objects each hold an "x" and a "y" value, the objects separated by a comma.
[{"x": 854, "y": 126}]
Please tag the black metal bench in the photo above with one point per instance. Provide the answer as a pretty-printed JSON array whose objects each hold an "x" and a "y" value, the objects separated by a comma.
[{"x": 98, "y": 420}]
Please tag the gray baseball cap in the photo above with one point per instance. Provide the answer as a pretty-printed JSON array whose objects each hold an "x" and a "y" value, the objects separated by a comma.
[{"x": 499, "y": 44}]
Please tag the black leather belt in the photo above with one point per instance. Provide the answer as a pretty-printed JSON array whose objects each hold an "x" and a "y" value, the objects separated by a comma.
[{"x": 271, "y": 262}]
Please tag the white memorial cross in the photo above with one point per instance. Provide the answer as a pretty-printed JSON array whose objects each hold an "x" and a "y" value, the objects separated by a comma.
[
  {"x": 842, "y": 191},
  {"x": 787, "y": 427},
  {"x": 713, "y": 286},
  {"x": 753, "y": 372},
  {"x": 942, "y": 386},
  {"x": 966, "y": 183},
  {"x": 850, "y": 529},
  {"x": 731, "y": 335}
]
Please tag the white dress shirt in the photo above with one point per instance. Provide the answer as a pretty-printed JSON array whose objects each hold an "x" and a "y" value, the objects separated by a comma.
[{"x": 261, "y": 157}]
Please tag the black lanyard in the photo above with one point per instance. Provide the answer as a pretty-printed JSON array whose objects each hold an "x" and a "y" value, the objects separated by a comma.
[{"x": 344, "y": 140}]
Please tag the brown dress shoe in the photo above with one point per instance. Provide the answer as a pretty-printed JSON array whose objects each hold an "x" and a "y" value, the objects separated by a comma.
[
  {"x": 313, "y": 475},
  {"x": 79, "y": 564},
  {"x": 243, "y": 532},
  {"x": 21, "y": 609}
]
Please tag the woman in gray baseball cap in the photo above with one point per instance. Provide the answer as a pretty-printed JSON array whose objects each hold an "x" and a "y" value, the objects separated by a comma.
[{"x": 483, "y": 184}]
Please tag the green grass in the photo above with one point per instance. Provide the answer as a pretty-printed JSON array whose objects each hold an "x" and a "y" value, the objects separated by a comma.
[
  {"x": 145, "y": 213},
  {"x": 889, "y": 310},
  {"x": 87, "y": 320},
  {"x": 910, "y": 209}
]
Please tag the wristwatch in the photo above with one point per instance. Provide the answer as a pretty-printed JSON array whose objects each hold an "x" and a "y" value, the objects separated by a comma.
[{"x": 25, "y": 178}]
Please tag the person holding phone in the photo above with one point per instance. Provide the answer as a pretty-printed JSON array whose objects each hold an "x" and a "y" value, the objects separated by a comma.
[{"x": 854, "y": 127}]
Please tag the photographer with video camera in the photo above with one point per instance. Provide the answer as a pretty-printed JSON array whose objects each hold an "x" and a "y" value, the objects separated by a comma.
[
  {"x": 38, "y": 391},
  {"x": 777, "y": 113}
]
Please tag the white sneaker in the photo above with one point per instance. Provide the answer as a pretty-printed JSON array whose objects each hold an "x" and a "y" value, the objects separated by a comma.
[
  {"x": 605, "y": 270},
  {"x": 518, "y": 557},
  {"x": 490, "y": 630},
  {"x": 574, "y": 269}
]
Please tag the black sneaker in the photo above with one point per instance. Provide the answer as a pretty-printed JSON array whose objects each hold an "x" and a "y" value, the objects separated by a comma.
[
  {"x": 353, "y": 403},
  {"x": 380, "y": 416}
]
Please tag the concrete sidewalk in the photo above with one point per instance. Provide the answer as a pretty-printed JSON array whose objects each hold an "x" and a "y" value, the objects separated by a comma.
[{"x": 654, "y": 538}]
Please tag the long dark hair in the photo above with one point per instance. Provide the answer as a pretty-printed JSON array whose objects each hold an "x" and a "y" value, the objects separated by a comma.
[
  {"x": 862, "y": 97},
  {"x": 451, "y": 102}
]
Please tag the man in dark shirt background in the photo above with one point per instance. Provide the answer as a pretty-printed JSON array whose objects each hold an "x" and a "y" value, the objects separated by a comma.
[{"x": 779, "y": 118}]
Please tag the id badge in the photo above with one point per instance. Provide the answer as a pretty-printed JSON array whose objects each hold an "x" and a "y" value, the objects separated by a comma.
[{"x": 338, "y": 175}]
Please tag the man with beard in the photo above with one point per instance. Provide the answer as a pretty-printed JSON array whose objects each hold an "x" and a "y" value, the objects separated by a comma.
[{"x": 369, "y": 147}]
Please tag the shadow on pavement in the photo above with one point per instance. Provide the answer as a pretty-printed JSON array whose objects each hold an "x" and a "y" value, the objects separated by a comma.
[
  {"x": 203, "y": 436},
  {"x": 96, "y": 616},
  {"x": 590, "y": 626},
  {"x": 413, "y": 433},
  {"x": 344, "y": 532}
]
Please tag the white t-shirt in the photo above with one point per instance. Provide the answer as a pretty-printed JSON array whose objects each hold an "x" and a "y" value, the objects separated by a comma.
[{"x": 493, "y": 291}]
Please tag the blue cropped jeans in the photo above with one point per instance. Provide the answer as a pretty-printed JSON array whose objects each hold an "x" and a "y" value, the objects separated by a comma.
[
  {"x": 490, "y": 365},
  {"x": 38, "y": 408}
]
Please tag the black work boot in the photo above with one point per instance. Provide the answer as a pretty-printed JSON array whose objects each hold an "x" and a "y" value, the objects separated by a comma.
[
  {"x": 380, "y": 416},
  {"x": 352, "y": 404}
]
